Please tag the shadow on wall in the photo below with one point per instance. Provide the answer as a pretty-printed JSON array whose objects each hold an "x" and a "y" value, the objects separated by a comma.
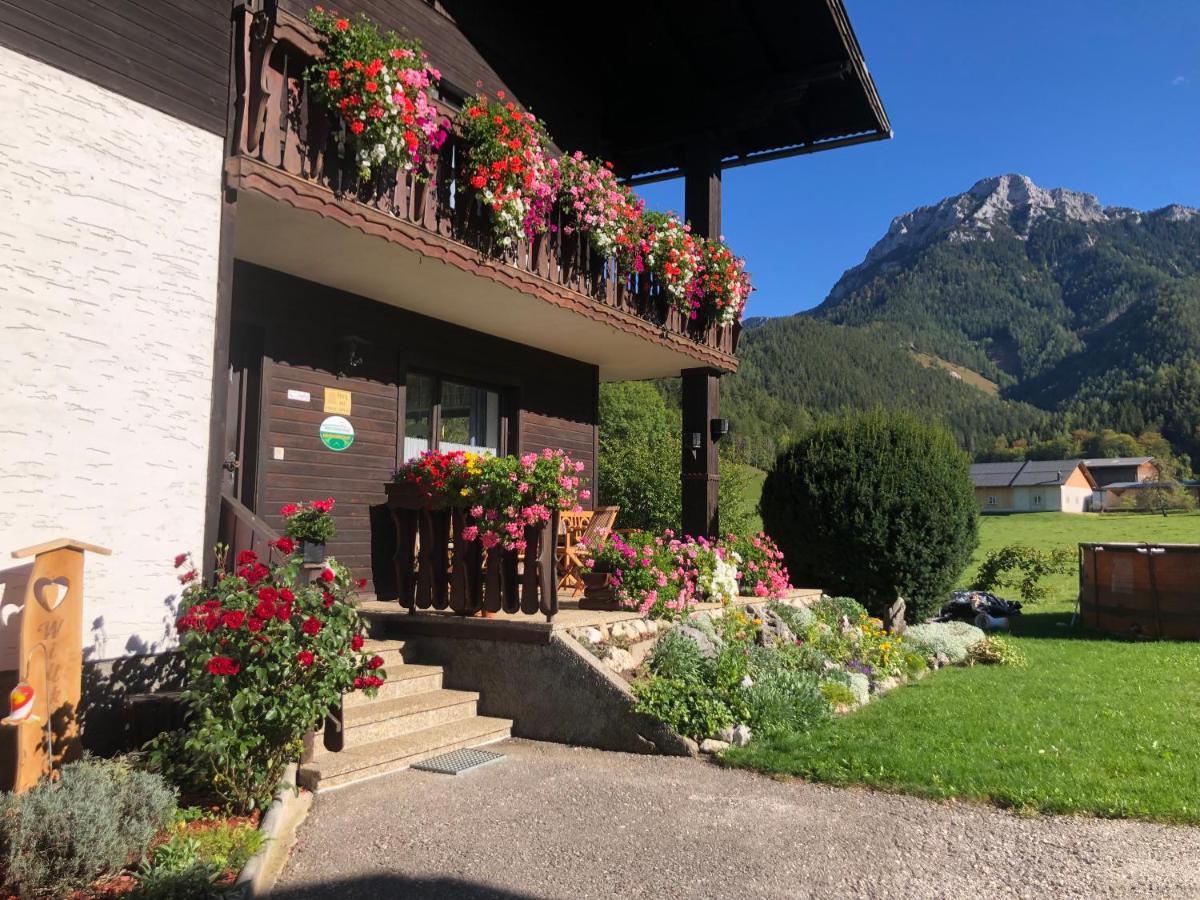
[
  {"x": 390, "y": 885},
  {"x": 109, "y": 722}
]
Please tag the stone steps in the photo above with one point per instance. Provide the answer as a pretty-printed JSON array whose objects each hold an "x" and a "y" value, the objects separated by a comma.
[
  {"x": 411, "y": 718},
  {"x": 403, "y": 680},
  {"x": 381, "y": 719},
  {"x": 394, "y": 754}
]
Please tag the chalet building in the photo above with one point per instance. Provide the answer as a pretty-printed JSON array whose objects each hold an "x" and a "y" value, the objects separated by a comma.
[
  {"x": 1122, "y": 470},
  {"x": 206, "y": 315},
  {"x": 1050, "y": 485}
]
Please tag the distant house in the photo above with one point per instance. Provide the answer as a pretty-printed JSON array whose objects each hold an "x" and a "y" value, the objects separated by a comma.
[
  {"x": 1122, "y": 470},
  {"x": 1040, "y": 485}
]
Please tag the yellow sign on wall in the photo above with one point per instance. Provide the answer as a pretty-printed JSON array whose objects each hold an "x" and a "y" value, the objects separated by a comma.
[{"x": 337, "y": 401}]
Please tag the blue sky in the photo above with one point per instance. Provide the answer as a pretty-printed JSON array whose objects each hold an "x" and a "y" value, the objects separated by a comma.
[{"x": 1100, "y": 96}]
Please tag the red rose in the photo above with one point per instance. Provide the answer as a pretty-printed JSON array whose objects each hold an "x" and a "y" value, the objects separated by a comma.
[
  {"x": 311, "y": 625},
  {"x": 286, "y": 595},
  {"x": 265, "y": 609},
  {"x": 180, "y": 559},
  {"x": 187, "y": 576},
  {"x": 327, "y": 576},
  {"x": 305, "y": 658},
  {"x": 233, "y": 619},
  {"x": 267, "y": 593},
  {"x": 223, "y": 665},
  {"x": 342, "y": 25},
  {"x": 360, "y": 583},
  {"x": 356, "y": 642},
  {"x": 283, "y": 612},
  {"x": 375, "y": 662},
  {"x": 246, "y": 557},
  {"x": 358, "y": 684},
  {"x": 254, "y": 625},
  {"x": 288, "y": 509}
]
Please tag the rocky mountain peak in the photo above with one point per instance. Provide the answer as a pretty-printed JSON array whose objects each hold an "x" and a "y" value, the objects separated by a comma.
[{"x": 1011, "y": 201}]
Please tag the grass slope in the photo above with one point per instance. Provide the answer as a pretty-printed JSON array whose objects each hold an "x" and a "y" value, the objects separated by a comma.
[{"x": 1092, "y": 724}]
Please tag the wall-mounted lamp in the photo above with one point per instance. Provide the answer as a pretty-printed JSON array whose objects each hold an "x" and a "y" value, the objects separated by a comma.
[
  {"x": 693, "y": 440},
  {"x": 351, "y": 354},
  {"x": 719, "y": 428}
]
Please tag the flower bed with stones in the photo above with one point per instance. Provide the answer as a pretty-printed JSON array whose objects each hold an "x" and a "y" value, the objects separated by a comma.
[{"x": 722, "y": 676}]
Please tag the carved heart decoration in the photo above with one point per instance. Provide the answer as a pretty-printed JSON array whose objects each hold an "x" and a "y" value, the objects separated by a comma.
[{"x": 51, "y": 592}]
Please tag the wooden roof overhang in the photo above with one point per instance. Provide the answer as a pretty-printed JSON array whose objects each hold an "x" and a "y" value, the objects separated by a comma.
[{"x": 637, "y": 82}]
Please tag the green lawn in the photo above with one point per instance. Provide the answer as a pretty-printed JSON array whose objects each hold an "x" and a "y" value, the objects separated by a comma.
[{"x": 1091, "y": 724}]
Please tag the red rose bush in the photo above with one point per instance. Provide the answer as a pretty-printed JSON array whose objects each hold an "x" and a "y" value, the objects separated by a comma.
[{"x": 267, "y": 657}]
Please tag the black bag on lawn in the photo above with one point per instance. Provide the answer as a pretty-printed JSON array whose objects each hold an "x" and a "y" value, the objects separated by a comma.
[{"x": 964, "y": 606}]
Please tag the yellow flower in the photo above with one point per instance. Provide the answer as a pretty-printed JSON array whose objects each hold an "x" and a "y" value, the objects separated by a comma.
[
  {"x": 757, "y": 620},
  {"x": 464, "y": 492}
]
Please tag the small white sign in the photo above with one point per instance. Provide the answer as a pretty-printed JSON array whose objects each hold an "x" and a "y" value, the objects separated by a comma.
[
  {"x": 279, "y": 453},
  {"x": 302, "y": 396}
]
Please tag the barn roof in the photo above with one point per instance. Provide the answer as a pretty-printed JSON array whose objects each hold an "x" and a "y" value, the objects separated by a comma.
[
  {"x": 1026, "y": 473},
  {"x": 1117, "y": 461}
]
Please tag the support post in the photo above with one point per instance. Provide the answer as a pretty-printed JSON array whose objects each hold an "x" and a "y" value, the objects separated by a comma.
[
  {"x": 701, "y": 480},
  {"x": 702, "y": 186}
]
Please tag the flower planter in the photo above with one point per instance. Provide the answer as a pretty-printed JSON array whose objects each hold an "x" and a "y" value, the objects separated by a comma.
[
  {"x": 313, "y": 552},
  {"x": 597, "y": 592}
]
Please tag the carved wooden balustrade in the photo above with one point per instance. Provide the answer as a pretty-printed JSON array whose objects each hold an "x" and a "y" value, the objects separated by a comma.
[
  {"x": 436, "y": 569},
  {"x": 278, "y": 126}
]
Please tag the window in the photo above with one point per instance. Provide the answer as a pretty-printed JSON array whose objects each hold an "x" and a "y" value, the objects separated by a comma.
[
  {"x": 991, "y": 500},
  {"x": 448, "y": 415},
  {"x": 1037, "y": 499}
]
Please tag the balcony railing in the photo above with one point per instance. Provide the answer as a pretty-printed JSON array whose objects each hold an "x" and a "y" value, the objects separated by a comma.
[{"x": 280, "y": 127}]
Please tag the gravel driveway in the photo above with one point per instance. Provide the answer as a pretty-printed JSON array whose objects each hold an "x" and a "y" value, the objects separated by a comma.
[{"x": 555, "y": 821}]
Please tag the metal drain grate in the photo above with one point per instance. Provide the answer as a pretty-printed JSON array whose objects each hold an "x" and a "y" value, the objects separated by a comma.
[{"x": 458, "y": 761}]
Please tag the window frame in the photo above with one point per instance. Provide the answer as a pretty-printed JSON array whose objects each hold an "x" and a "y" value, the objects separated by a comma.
[{"x": 435, "y": 414}]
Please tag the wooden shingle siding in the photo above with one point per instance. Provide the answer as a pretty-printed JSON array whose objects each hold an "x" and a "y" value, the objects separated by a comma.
[{"x": 171, "y": 55}]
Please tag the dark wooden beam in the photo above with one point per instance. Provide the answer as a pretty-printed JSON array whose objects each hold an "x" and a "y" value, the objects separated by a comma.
[
  {"x": 700, "y": 402},
  {"x": 702, "y": 186}
]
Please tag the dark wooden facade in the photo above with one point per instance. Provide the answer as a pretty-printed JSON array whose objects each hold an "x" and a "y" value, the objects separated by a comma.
[
  {"x": 546, "y": 400},
  {"x": 172, "y": 55}
]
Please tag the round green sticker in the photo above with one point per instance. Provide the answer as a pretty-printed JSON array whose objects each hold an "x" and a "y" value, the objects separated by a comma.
[{"x": 337, "y": 433}]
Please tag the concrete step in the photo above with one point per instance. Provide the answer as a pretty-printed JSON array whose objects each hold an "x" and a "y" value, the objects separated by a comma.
[
  {"x": 391, "y": 651},
  {"x": 377, "y": 720},
  {"x": 403, "y": 680},
  {"x": 394, "y": 754}
]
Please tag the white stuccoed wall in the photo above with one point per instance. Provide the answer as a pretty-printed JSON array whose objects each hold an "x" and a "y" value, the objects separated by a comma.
[{"x": 109, "y": 233}]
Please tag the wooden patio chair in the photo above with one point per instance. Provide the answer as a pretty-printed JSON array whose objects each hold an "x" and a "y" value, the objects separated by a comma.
[
  {"x": 600, "y": 523},
  {"x": 571, "y": 527}
]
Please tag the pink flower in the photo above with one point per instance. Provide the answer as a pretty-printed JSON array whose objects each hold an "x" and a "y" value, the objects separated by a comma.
[{"x": 470, "y": 533}]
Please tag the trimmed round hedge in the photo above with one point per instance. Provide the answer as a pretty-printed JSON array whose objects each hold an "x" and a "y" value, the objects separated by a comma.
[{"x": 875, "y": 505}]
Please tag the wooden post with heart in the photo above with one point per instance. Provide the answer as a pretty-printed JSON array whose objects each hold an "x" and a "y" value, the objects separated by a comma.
[{"x": 51, "y": 658}]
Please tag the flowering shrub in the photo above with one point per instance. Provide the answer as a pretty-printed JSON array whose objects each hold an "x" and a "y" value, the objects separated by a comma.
[
  {"x": 378, "y": 84},
  {"x": 267, "y": 657},
  {"x": 508, "y": 166},
  {"x": 761, "y": 571},
  {"x": 502, "y": 495},
  {"x": 723, "y": 284},
  {"x": 597, "y": 204},
  {"x": 669, "y": 252},
  {"x": 311, "y": 522}
]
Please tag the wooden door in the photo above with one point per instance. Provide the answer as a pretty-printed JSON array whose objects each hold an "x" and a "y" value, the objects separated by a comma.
[{"x": 243, "y": 405}]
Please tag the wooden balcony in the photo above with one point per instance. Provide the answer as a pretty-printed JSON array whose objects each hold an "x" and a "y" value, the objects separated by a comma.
[{"x": 286, "y": 148}]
